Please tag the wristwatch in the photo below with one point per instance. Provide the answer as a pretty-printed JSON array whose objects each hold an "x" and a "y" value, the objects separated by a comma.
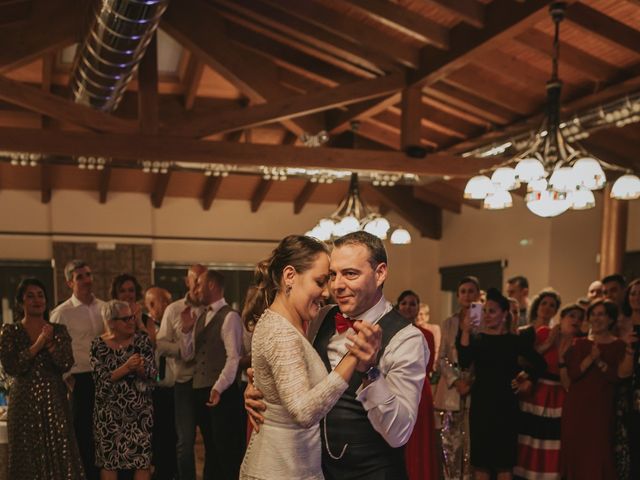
[{"x": 372, "y": 374}]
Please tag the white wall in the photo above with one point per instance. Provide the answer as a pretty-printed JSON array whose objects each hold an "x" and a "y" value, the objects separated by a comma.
[{"x": 558, "y": 252}]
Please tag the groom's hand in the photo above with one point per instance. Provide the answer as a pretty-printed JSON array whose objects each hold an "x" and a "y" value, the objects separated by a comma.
[
  {"x": 253, "y": 404},
  {"x": 366, "y": 344}
]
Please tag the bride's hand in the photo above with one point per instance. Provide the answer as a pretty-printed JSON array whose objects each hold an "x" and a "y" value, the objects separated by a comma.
[{"x": 366, "y": 345}]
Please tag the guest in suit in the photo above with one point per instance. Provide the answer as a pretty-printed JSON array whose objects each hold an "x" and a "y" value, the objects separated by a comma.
[{"x": 214, "y": 342}]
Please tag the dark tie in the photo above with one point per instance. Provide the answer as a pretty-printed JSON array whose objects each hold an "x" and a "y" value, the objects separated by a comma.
[
  {"x": 343, "y": 323},
  {"x": 200, "y": 321}
]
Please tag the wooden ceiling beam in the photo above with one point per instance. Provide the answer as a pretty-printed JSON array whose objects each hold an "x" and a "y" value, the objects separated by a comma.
[
  {"x": 105, "y": 180},
  {"x": 210, "y": 191},
  {"x": 596, "y": 69},
  {"x": 304, "y": 196},
  {"x": 162, "y": 148},
  {"x": 51, "y": 26},
  {"x": 193, "y": 75},
  {"x": 409, "y": 23},
  {"x": 260, "y": 194},
  {"x": 160, "y": 188},
  {"x": 470, "y": 102},
  {"x": 340, "y": 121},
  {"x": 148, "y": 109},
  {"x": 287, "y": 108},
  {"x": 365, "y": 56},
  {"x": 503, "y": 20},
  {"x": 469, "y": 11},
  {"x": 346, "y": 27},
  {"x": 424, "y": 217},
  {"x": 411, "y": 119},
  {"x": 197, "y": 26},
  {"x": 597, "y": 23},
  {"x": 60, "y": 108}
]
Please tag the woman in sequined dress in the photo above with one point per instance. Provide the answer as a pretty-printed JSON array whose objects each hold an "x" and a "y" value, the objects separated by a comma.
[
  {"x": 42, "y": 445},
  {"x": 124, "y": 372}
]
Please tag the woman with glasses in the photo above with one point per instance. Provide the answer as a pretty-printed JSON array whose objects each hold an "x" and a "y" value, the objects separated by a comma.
[{"x": 124, "y": 371}]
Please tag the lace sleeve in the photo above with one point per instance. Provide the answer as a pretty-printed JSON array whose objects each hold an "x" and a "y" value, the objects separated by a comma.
[{"x": 306, "y": 404}]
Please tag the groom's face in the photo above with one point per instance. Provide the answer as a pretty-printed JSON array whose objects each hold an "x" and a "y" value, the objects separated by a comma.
[{"x": 354, "y": 282}]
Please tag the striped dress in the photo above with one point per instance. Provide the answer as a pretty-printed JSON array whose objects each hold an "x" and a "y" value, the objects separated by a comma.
[{"x": 540, "y": 418}]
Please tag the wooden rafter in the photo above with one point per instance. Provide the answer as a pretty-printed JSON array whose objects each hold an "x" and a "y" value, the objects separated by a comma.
[
  {"x": 362, "y": 55},
  {"x": 103, "y": 186},
  {"x": 345, "y": 27},
  {"x": 411, "y": 126},
  {"x": 409, "y": 23},
  {"x": 294, "y": 106},
  {"x": 160, "y": 188},
  {"x": 197, "y": 26},
  {"x": 260, "y": 194},
  {"x": 192, "y": 77},
  {"x": 52, "y": 26},
  {"x": 469, "y": 11},
  {"x": 60, "y": 108},
  {"x": 162, "y": 148},
  {"x": 304, "y": 196},
  {"x": 210, "y": 191},
  {"x": 148, "y": 111},
  {"x": 596, "y": 23},
  {"x": 596, "y": 69}
]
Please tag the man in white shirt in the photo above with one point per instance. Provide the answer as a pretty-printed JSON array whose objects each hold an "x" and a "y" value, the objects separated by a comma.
[
  {"x": 363, "y": 434},
  {"x": 168, "y": 341},
  {"x": 82, "y": 315},
  {"x": 156, "y": 300},
  {"x": 214, "y": 342}
]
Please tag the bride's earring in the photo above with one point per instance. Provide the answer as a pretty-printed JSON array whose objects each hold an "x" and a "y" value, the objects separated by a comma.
[{"x": 287, "y": 290}]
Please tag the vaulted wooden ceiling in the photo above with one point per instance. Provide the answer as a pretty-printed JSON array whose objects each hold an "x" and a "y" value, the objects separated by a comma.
[{"x": 239, "y": 81}]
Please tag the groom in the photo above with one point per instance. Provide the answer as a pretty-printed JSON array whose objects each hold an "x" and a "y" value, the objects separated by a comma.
[{"x": 364, "y": 433}]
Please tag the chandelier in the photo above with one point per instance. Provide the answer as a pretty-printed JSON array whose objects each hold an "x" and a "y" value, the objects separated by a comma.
[
  {"x": 559, "y": 176},
  {"x": 352, "y": 215}
]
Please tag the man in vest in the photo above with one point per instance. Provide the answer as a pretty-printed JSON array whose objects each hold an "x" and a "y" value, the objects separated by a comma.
[
  {"x": 364, "y": 433},
  {"x": 214, "y": 343}
]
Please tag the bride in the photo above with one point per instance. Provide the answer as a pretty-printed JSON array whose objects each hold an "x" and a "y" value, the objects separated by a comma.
[{"x": 291, "y": 287}]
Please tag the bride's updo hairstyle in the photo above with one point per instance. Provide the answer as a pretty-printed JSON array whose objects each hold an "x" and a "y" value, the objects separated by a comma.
[{"x": 298, "y": 251}]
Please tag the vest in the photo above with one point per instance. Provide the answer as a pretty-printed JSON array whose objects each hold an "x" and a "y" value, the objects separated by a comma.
[
  {"x": 210, "y": 355},
  {"x": 347, "y": 422}
]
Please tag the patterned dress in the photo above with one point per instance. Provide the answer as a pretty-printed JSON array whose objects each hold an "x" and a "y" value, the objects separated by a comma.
[
  {"x": 123, "y": 415},
  {"x": 42, "y": 445}
]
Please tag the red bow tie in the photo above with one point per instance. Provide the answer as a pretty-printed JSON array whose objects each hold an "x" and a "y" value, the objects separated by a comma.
[{"x": 342, "y": 323}]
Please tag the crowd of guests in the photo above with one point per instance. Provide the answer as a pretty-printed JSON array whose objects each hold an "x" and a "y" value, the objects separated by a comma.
[{"x": 344, "y": 383}]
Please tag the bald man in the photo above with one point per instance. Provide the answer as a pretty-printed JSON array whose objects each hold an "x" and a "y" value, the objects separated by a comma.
[
  {"x": 595, "y": 290},
  {"x": 169, "y": 341},
  {"x": 156, "y": 301}
]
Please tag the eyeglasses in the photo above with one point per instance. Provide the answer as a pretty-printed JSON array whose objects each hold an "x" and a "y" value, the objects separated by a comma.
[{"x": 128, "y": 318}]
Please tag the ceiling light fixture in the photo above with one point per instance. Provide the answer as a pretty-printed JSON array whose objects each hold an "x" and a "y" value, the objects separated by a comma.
[
  {"x": 353, "y": 215},
  {"x": 560, "y": 176}
]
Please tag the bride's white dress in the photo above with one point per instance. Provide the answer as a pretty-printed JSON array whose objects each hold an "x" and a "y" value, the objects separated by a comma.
[{"x": 298, "y": 393}]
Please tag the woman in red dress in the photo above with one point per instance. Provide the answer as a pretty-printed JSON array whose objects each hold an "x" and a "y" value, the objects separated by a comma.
[
  {"x": 594, "y": 364},
  {"x": 420, "y": 450}
]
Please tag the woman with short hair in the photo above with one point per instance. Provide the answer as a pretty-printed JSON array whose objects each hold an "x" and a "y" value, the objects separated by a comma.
[{"x": 124, "y": 373}]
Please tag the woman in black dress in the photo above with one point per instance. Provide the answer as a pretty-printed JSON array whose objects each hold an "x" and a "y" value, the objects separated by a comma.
[{"x": 494, "y": 410}]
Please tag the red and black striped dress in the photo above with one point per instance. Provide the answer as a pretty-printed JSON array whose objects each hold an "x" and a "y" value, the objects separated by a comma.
[{"x": 540, "y": 420}]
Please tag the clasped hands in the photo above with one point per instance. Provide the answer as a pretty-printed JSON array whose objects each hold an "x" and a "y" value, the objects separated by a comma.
[
  {"x": 135, "y": 364},
  {"x": 45, "y": 339},
  {"x": 365, "y": 348}
]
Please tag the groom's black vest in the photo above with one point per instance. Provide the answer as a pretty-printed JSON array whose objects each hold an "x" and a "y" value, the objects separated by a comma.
[{"x": 368, "y": 455}]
